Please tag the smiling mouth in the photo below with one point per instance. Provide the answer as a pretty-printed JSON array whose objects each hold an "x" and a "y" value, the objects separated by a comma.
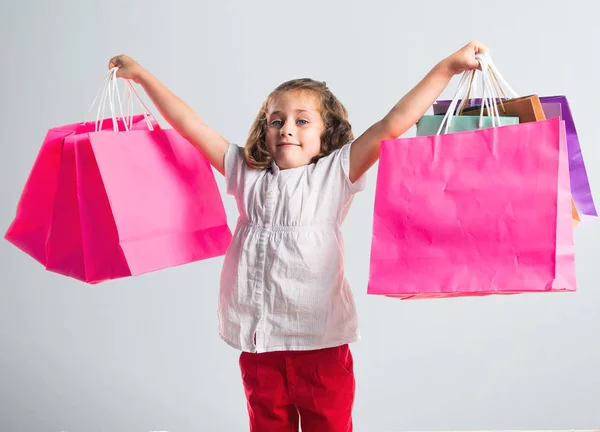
[{"x": 287, "y": 144}]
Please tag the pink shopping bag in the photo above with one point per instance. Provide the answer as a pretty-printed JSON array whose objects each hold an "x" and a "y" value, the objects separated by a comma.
[
  {"x": 30, "y": 227},
  {"x": 474, "y": 213},
  {"x": 133, "y": 202}
]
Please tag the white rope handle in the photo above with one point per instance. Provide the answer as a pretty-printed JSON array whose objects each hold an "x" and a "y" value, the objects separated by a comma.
[
  {"x": 116, "y": 89},
  {"x": 488, "y": 98},
  {"x": 107, "y": 92},
  {"x": 148, "y": 116},
  {"x": 485, "y": 98},
  {"x": 496, "y": 72},
  {"x": 111, "y": 104},
  {"x": 102, "y": 93},
  {"x": 464, "y": 80},
  {"x": 504, "y": 87},
  {"x": 111, "y": 90},
  {"x": 490, "y": 90}
]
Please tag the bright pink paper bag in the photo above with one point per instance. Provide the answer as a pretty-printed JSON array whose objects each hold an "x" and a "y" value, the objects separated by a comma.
[
  {"x": 133, "y": 202},
  {"x": 29, "y": 230},
  {"x": 474, "y": 213}
]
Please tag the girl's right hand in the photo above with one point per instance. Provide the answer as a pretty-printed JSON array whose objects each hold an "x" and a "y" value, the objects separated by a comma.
[{"x": 128, "y": 67}]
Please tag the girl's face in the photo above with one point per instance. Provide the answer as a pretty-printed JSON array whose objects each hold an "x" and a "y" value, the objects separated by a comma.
[{"x": 294, "y": 128}]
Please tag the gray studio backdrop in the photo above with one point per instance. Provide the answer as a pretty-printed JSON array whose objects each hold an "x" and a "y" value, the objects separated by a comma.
[{"x": 143, "y": 354}]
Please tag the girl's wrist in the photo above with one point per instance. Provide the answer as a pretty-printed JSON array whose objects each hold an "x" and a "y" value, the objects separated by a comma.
[
  {"x": 141, "y": 75},
  {"x": 445, "y": 68}
]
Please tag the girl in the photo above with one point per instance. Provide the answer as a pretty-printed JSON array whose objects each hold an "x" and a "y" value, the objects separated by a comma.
[{"x": 284, "y": 300}]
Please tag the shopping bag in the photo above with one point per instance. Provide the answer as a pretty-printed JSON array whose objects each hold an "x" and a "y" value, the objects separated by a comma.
[
  {"x": 119, "y": 202},
  {"x": 430, "y": 124},
  {"x": 134, "y": 202},
  {"x": 552, "y": 110},
  {"x": 473, "y": 213},
  {"x": 526, "y": 108},
  {"x": 30, "y": 227}
]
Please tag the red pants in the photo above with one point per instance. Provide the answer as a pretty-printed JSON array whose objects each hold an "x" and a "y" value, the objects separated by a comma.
[{"x": 315, "y": 388}]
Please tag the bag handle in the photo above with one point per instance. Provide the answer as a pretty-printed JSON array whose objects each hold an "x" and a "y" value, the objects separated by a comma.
[
  {"x": 466, "y": 84},
  {"x": 487, "y": 73},
  {"x": 499, "y": 83},
  {"x": 494, "y": 91},
  {"x": 107, "y": 91},
  {"x": 497, "y": 76},
  {"x": 148, "y": 116},
  {"x": 487, "y": 81}
]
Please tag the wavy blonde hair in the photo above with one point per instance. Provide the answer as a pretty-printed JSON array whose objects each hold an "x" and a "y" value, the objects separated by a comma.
[{"x": 338, "y": 130}]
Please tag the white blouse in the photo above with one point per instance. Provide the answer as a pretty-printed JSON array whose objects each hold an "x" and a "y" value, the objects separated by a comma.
[{"x": 282, "y": 284}]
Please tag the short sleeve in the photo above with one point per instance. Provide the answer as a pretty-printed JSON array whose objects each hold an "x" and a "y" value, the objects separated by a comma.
[
  {"x": 344, "y": 160},
  {"x": 234, "y": 164}
]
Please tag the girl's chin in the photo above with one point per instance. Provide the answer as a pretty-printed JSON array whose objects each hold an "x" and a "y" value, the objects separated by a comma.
[{"x": 291, "y": 162}]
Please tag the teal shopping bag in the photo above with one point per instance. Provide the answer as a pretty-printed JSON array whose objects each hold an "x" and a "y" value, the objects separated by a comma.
[{"x": 430, "y": 124}]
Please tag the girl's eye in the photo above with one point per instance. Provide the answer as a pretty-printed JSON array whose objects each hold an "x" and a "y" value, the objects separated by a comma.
[
  {"x": 305, "y": 122},
  {"x": 276, "y": 123}
]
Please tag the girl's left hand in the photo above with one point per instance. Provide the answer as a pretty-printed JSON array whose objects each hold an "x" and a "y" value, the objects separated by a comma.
[{"x": 464, "y": 59}]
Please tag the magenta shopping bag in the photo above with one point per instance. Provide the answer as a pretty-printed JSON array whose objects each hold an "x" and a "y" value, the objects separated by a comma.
[
  {"x": 474, "y": 213},
  {"x": 580, "y": 186},
  {"x": 30, "y": 227},
  {"x": 133, "y": 202}
]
